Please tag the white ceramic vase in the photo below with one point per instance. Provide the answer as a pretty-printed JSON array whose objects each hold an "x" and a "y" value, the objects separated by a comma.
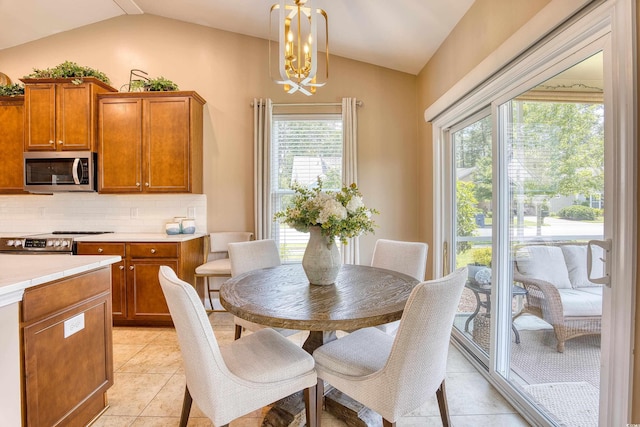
[{"x": 321, "y": 261}]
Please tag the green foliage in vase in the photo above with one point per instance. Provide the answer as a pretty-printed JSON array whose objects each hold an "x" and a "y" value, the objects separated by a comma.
[
  {"x": 11, "y": 90},
  {"x": 68, "y": 69},
  {"x": 340, "y": 214}
]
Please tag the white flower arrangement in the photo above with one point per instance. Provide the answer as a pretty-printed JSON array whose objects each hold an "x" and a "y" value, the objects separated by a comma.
[{"x": 340, "y": 214}]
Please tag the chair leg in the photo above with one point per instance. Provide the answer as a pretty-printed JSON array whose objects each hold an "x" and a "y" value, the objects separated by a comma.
[
  {"x": 208, "y": 291},
  {"x": 319, "y": 400},
  {"x": 442, "y": 404},
  {"x": 386, "y": 423},
  {"x": 310, "y": 399},
  {"x": 186, "y": 407},
  {"x": 238, "y": 332}
]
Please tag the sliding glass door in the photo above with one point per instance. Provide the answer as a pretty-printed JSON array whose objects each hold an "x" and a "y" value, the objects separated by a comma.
[{"x": 528, "y": 194}]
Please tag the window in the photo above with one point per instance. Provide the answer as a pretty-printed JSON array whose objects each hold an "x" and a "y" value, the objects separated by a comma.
[{"x": 303, "y": 148}]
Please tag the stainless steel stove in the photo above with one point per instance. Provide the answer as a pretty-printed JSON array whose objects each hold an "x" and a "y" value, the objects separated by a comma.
[{"x": 58, "y": 242}]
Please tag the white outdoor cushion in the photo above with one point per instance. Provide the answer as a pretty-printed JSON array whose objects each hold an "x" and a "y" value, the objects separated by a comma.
[
  {"x": 575, "y": 257},
  {"x": 579, "y": 302},
  {"x": 263, "y": 357},
  {"x": 544, "y": 263}
]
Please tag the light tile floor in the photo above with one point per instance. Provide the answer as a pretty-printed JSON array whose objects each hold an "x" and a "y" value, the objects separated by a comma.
[{"x": 149, "y": 386}]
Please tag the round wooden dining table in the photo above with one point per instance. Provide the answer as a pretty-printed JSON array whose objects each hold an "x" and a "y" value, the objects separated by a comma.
[{"x": 282, "y": 297}]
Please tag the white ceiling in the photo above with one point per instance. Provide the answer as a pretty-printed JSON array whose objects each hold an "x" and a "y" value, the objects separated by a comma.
[{"x": 397, "y": 34}]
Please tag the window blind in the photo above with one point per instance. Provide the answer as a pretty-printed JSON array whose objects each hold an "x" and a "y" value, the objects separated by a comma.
[{"x": 303, "y": 148}]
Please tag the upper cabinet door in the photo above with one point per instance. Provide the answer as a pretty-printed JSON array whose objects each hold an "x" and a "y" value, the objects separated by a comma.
[
  {"x": 11, "y": 145},
  {"x": 40, "y": 117},
  {"x": 75, "y": 120},
  {"x": 166, "y": 144},
  {"x": 120, "y": 145}
]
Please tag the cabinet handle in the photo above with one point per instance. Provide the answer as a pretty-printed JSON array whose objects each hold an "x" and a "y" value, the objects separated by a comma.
[
  {"x": 100, "y": 250},
  {"x": 146, "y": 184},
  {"x": 122, "y": 267},
  {"x": 137, "y": 184},
  {"x": 131, "y": 267},
  {"x": 51, "y": 142},
  {"x": 60, "y": 142},
  {"x": 153, "y": 251}
]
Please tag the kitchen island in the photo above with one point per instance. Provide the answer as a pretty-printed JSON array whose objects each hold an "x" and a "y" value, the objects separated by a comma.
[{"x": 55, "y": 334}]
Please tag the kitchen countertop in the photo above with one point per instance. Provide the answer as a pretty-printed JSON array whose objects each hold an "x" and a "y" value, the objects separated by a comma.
[
  {"x": 138, "y": 237},
  {"x": 18, "y": 272}
]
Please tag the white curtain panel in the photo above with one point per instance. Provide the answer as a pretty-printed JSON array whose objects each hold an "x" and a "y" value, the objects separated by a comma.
[
  {"x": 262, "y": 110},
  {"x": 351, "y": 251}
]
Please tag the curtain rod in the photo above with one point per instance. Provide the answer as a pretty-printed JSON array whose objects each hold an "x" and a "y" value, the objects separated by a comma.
[{"x": 310, "y": 104}]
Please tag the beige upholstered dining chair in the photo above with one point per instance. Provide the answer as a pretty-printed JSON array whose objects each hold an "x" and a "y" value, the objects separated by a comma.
[
  {"x": 394, "y": 376},
  {"x": 216, "y": 259},
  {"x": 231, "y": 381},
  {"x": 409, "y": 258},
  {"x": 248, "y": 256}
]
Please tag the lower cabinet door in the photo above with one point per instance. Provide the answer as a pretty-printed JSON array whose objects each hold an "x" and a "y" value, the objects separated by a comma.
[
  {"x": 68, "y": 365},
  {"x": 145, "y": 297}
]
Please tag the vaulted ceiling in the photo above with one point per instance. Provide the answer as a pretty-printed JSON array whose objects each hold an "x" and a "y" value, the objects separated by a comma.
[{"x": 398, "y": 34}]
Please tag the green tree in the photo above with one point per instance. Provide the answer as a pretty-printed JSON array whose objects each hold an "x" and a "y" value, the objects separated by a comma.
[{"x": 465, "y": 213}]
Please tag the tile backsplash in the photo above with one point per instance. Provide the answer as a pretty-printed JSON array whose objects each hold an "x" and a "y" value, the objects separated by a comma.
[{"x": 99, "y": 212}]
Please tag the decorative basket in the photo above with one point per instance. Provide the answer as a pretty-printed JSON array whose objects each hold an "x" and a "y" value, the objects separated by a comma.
[{"x": 481, "y": 331}]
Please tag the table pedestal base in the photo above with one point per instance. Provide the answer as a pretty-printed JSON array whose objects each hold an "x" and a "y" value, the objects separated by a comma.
[
  {"x": 289, "y": 412},
  {"x": 286, "y": 412},
  {"x": 353, "y": 413}
]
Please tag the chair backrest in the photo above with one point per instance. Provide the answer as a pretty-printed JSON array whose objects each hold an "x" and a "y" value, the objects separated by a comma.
[
  {"x": 253, "y": 255},
  {"x": 220, "y": 240},
  {"x": 417, "y": 364},
  {"x": 204, "y": 366},
  {"x": 405, "y": 257}
]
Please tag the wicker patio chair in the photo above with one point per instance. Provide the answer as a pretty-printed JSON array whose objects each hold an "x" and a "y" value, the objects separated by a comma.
[{"x": 545, "y": 300}]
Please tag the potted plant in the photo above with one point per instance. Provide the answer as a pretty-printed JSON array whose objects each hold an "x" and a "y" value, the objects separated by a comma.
[
  {"x": 481, "y": 261},
  {"x": 67, "y": 70},
  {"x": 159, "y": 84},
  {"x": 11, "y": 90},
  {"x": 327, "y": 215}
]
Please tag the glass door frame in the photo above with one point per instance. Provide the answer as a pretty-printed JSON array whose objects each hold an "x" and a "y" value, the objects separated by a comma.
[{"x": 607, "y": 27}]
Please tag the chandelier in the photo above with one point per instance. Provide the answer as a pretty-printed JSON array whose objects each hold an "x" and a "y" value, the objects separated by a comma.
[{"x": 298, "y": 45}]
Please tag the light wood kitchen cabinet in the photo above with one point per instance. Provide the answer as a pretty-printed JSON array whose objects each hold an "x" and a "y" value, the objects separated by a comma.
[
  {"x": 61, "y": 115},
  {"x": 11, "y": 144},
  {"x": 67, "y": 349},
  {"x": 137, "y": 295},
  {"x": 150, "y": 142}
]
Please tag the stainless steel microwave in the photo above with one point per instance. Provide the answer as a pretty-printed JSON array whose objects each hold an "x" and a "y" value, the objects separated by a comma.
[{"x": 59, "y": 171}]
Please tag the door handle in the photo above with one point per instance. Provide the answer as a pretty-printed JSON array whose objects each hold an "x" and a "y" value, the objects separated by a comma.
[
  {"x": 76, "y": 178},
  {"x": 606, "y": 247}
]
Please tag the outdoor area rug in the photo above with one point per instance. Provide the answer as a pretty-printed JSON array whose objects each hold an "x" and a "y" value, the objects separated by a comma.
[
  {"x": 536, "y": 360},
  {"x": 572, "y": 404}
]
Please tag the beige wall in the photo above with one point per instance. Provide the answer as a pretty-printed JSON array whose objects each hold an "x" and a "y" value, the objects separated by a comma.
[
  {"x": 229, "y": 70},
  {"x": 488, "y": 23}
]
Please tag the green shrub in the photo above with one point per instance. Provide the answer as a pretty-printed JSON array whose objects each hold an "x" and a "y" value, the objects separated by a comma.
[
  {"x": 482, "y": 256},
  {"x": 578, "y": 213}
]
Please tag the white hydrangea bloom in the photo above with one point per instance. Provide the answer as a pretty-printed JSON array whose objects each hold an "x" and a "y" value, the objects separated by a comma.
[
  {"x": 354, "y": 204},
  {"x": 332, "y": 208}
]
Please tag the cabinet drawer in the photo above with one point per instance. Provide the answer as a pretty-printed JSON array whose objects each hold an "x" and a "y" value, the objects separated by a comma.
[
  {"x": 56, "y": 296},
  {"x": 101, "y": 249},
  {"x": 153, "y": 250}
]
